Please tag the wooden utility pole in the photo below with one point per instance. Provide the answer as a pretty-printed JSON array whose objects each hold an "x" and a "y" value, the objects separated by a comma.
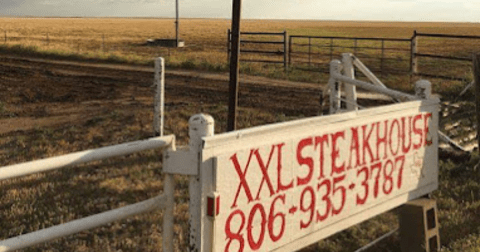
[
  {"x": 285, "y": 50},
  {"x": 176, "y": 23},
  {"x": 234, "y": 65},
  {"x": 413, "y": 54},
  {"x": 476, "y": 73}
]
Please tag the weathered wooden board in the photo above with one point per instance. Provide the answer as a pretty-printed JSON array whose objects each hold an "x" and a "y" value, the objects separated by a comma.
[{"x": 284, "y": 186}]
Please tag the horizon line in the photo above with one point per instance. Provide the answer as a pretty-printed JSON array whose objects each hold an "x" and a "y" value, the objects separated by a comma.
[{"x": 246, "y": 19}]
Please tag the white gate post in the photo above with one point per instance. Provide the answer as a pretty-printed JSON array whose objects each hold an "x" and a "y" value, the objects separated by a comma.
[
  {"x": 159, "y": 83},
  {"x": 334, "y": 86},
  {"x": 200, "y": 125},
  {"x": 350, "y": 90},
  {"x": 423, "y": 89},
  {"x": 167, "y": 232}
]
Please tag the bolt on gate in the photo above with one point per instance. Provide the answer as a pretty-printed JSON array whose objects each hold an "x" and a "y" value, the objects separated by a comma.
[{"x": 283, "y": 186}]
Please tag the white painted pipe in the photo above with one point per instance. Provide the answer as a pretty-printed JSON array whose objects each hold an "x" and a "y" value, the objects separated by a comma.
[
  {"x": 352, "y": 103},
  {"x": 379, "y": 239},
  {"x": 167, "y": 232},
  {"x": 364, "y": 69},
  {"x": 335, "y": 87},
  {"x": 62, "y": 230},
  {"x": 159, "y": 106},
  {"x": 365, "y": 85},
  {"x": 446, "y": 139},
  {"x": 200, "y": 125},
  {"x": 423, "y": 89},
  {"x": 46, "y": 164},
  {"x": 466, "y": 89},
  {"x": 350, "y": 90}
]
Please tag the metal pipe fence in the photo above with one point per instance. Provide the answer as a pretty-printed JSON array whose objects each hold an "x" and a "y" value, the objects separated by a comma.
[
  {"x": 429, "y": 67},
  {"x": 395, "y": 56},
  {"x": 52, "y": 163},
  {"x": 163, "y": 201},
  {"x": 308, "y": 51},
  {"x": 262, "y": 44},
  {"x": 76, "y": 226}
]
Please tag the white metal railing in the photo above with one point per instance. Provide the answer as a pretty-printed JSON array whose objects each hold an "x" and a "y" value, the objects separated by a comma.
[
  {"x": 27, "y": 240},
  {"x": 163, "y": 201},
  {"x": 422, "y": 88},
  {"x": 347, "y": 66},
  {"x": 41, "y": 165},
  {"x": 159, "y": 99}
]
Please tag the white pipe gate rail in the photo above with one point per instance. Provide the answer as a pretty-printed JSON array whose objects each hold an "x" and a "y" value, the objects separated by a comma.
[
  {"x": 183, "y": 161},
  {"x": 422, "y": 89},
  {"x": 174, "y": 163},
  {"x": 163, "y": 201},
  {"x": 346, "y": 65}
]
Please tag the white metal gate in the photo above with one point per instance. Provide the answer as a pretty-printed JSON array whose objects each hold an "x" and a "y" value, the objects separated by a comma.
[
  {"x": 163, "y": 201},
  {"x": 214, "y": 190}
]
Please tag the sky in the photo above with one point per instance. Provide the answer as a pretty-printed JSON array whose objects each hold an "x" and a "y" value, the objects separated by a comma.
[{"x": 374, "y": 10}]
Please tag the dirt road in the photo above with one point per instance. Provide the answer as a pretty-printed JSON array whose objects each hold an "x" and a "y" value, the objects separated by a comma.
[{"x": 37, "y": 93}]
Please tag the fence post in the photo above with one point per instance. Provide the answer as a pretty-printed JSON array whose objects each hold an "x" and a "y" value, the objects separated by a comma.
[
  {"x": 476, "y": 73},
  {"x": 159, "y": 83},
  {"x": 334, "y": 86},
  {"x": 234, "y": 66},
  {"x": 177, "y": 23},
  {"x": 168, "y": 190},
  {"x": 228, "y": 45},
  {"x": 413, "y": 54},
  {"x": 285, "y": 49},
  {"x": 331, "y": 49},
  {"x": 200, "y": 125},
  {"x": 355, "y": 47},
  {"x": 103, "y": 42},
  {"x": 289, "y": 52},
  {"x": 309, "y": 52},
  {"x": 382, "y": 59},
  {"x": 5, "y": 36},
  {"x": 423, "y": 89},
  {"x": 350, "y": 90}
]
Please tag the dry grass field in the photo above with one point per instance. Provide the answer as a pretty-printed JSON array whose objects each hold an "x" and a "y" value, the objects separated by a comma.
[
  {"x": 121, "y": 39},
  {"x": 51, "y": 109}
]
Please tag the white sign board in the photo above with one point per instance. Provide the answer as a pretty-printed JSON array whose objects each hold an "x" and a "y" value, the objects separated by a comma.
[{"x": 284, "y": 186}]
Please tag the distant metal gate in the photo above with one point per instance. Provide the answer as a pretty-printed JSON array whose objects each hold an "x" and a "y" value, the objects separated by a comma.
[{"x": 386, "y": 55}]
